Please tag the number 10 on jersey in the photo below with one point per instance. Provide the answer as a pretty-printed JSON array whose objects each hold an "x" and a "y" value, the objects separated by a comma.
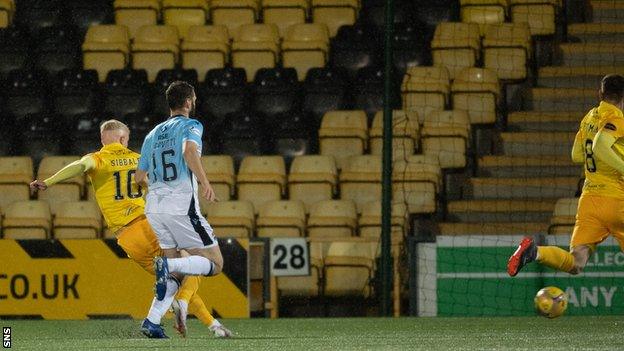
[{"x": 290, "y": 257}]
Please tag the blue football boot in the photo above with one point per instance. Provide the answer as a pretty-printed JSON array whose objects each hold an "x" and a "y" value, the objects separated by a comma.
[{"x": 152, "y": 331}]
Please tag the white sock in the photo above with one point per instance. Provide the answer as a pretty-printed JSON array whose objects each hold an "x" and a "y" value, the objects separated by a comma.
[
  {"x": 159, "y": 308},
  {"x": 215, "y": 323},
  {"x": 191, "y": 265}
]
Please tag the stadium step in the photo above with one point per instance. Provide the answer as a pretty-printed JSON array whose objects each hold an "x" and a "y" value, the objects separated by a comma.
[
  {"x": 597, "y": 32},
  {"x": 574, "y": 77},
  {"x": 492, "y": 228},
  {"x": 607, "y": 11},
  {"x": 561, "y": 99},
  {"x": 478, "y": 211},
  {"x": 591, "y": 54},
  {"x": 537, "y": 143},
  {"x": 535, "y": 121},
  {"x": 528, "y": 166},
  {"x": 521, "y": 188}
]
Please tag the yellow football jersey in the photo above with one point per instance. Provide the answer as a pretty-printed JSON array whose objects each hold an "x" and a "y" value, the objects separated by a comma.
[
  {"x": 600, "y": 178},
  {"x": 120, "y": 198}
]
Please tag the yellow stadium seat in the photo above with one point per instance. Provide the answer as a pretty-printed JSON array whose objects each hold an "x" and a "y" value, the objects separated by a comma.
[
  {"x": 78, "y": 220},
  {"x": 231, "y": 218},
  {"x": 332, "y": 219},
  {"x": 155, "y": 48},
  {"x": 312, "y": 178},
  {"x": 233, "y": 13},
  {"x": 539, "y": 14},
  {"x": 135, "y": 14},
  {"x": 416, "y": 182},
  {"x": 360, "y": 180},
  {"x": 483, "y": 12},
  {"x": 456, "y": 46},
  {"x": 564, "y": 216},
  {"x": 184, "y": 14},
  {"x": 284, "y": 13},
  {"x": 405, "y": 128},
  {"x": 220, "y": 172},
  {"x": 370, "y": 221},
  {"x": 15, "y": 175},
  {"x": 255, "y": 46},
  {"x": 305, "y": 46},
  {"x": 305, "y": 285},
  {"x": 426, "y": 89},
  {"x": 343, "y": 134},
  {"x": 205, "y": 48},
  {"x": 27, "y": 220},
  {"x": 476, "y": 91},
  {"x": 281, "y": 219},
  {"x": 106, "y": 48},
  {"x": 349, "y": 268},
  {"x": 507, "y": 50},
  {"x": 335, "y": 13},
  {"x": 261, "y": 179},
  {"x": 7, "y": 9},
  {"x": 447, "y": 134},
  {"x": 67, "y": 191}
]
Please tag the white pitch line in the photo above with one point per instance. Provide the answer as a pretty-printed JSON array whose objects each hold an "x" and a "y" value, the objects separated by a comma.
[{"x": 495, "y": 275}]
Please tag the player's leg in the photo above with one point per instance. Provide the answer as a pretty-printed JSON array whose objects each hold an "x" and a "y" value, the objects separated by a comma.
[{"x": 140, "y": 244}]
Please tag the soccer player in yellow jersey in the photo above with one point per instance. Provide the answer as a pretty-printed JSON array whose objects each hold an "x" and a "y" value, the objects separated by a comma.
[
  {"x": 599, "y": 144},
  {"x": 120, "y": 199}
]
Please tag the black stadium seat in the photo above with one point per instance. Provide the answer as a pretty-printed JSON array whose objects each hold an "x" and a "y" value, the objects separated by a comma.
[
  {"x": 292, "y": 135},
  {"x": 126, "y": 91},
  {"x": 369, "y": 91},
  {"x": 57, "y": 48},
  {"x": 14, "y": 50},
  {"x": 163, "y": 79},
  {"x": 9, "y": 135},
  {"x": 275, "y": 90},
  {"x": 241, "y": 134},
  {"x": 33, "y": 15},
  {"x": 410, "y": 46},
  {"x": 325, "y": 89},
  {"x": 140, "y": 125},
  {"x": 43, "y": 135},
  {"x": 373, "y": 12},
  {"x": 223, "y": 92},
  {"x": 433, "y": 12},
  {"x": 85, "y": 136},
  {"x": 26, "y": 93},
  {"x": 76, "y": 91},
  {"x": 83, "y": 13},
  {"x": 355, "y": 47}
]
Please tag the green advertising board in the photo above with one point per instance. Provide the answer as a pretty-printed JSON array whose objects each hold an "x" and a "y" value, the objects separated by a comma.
[{"x": 466, "y": 276}]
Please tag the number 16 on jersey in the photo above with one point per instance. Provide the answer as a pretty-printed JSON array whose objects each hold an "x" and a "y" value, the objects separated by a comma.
[{"x": 290, "y": 257}]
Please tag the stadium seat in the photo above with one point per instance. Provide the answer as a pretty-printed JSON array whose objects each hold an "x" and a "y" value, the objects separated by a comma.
[
  {"x": 284, "y": 13},
  {"x": 305, "y": 46},
  {"x": 292, "y": 135},
  {"x": 564, "y": 216},
  {"x": 163, "y": 79},
  {"x": 456, "y": 46},
  {"x": 7, "y": 9},
  {"x": 281, "y": 219},
  {"x": 349, "y": 268},
  {"x": 434, "y": 12},
  {"x": 84, "y": 14},
  {"x": 275, "y": 91},
  {"x": 155, "y": 48},
  {"x": 405, "y": 128},
  {"x": 312, "y": 178},
  {"x": 126, "y": 92},
  {"x": 233, "y": 13},
  {"x": 58, "y": 48},
  {"x": 85, "y": 136},
  {"x": 335, "y": 13},
  {"x": 483, "y": 12},
  {"x": 373, "y": 13},
  {"x": 325, "y": 89},
  {"x": 35, "y": 15},
  {"x": 205, "y": 48},
  {"x": 410, "y": 46},
  {"x": 135, "y": 14},
  {"x": 76, "y": 92},
  {"x": 27, "y": 220},
  {"x": 78, "y": 220},
  {"x": 447, "y": 134},
  {"x": 343, "y": 134},
  {"x": 15, "y": 50},
  {"x": 220, "y": 172},
  {"x": 231, "y": 218},
  {"x": 309, "y": 286},
  {"x": 255, "y": 46},
  {"x": 332, "y": 219},
  {"x": 140, "y": 124},
  {"x": 26, "y": 93},
  {"x": 360, "y": 180},
  {"x": 596, "y": 32},
  {"x": 507, "y": 50},
  {"x": 106, "y": 47},
  {"x": 15, "y": 175},
  {"x": 242, "y": 134},
  {"x": 416, "y": 181},
  {"x": 67, "y": 191},
  {"x": 426, "y": 89},
  {"x": 355, "y": 47},
  {"x": 184, "y": 14},
  {"x": 370, "y": 221},
  {"x": 43, "y": 135},
  {"x": 223, "y": 92},
  {"x": 539, "y": 14},
  {"x": 261, "y": 179},
  {"x": 476, "y": 91},
  {"x": 368, "y": 91}
]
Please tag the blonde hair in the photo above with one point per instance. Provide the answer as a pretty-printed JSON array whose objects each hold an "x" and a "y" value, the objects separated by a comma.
[{"x": 113, "y": 124}]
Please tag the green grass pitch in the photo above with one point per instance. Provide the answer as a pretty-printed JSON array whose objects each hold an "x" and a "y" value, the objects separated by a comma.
[{"x": 526, "y": 333}]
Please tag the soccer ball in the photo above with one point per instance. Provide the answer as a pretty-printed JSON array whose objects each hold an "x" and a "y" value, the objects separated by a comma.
[{"x": 551, "y": 302}]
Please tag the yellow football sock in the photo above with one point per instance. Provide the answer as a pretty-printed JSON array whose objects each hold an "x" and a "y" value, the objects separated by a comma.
[
  {"x": 189, "y": 287},
  {"x": 555, "y": 258},
  {"x": 197, "y": 307}
]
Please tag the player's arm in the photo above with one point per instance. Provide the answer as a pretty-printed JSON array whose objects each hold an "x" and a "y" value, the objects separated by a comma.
[
  {"x": 191, "y": 153},
  {"x": 578, "y": 152},
  {"x": 603, "y": 144},
  {"x": 72, "y": 170},
  {"x": 140, "y": 177}
]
